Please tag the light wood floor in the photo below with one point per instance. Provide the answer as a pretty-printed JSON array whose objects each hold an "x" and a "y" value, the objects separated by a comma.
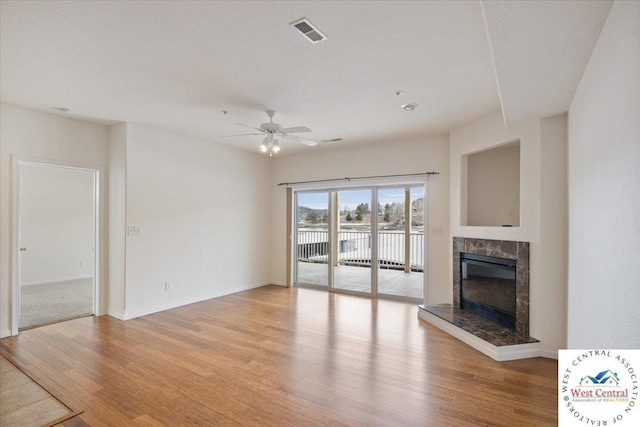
[{"x": 277, "y": 356}]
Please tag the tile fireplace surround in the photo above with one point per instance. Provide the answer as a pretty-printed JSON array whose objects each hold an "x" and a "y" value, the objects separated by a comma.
[
  {"x": 486, "y": 336},
  {"x": 502, "y": 249}
]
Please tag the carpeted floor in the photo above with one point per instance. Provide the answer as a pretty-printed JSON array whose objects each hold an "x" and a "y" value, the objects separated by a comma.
[{"x": 55, "y": 302}]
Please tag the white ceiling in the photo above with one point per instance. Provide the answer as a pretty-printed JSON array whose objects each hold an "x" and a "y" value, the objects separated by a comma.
[
  {"x": 540, "y": 50},
  {"x": 178, "y": 65}
]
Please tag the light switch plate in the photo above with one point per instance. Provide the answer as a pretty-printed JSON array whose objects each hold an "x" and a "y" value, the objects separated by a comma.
[{"x": 133, "y": 230}]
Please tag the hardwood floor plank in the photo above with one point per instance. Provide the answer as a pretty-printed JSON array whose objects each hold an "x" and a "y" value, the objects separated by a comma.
[
  {"x": 280, "y": 356},
  {"x": 147, "y": 421}
]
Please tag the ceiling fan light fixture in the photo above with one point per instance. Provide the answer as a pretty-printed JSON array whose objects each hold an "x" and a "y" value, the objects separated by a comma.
[{"x": 270, "y": 145}]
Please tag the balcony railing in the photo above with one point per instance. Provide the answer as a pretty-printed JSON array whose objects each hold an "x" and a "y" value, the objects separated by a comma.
[{"x": 354, "y": 248}]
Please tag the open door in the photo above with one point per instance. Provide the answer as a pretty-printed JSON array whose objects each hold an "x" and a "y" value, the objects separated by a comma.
[{"x": 57, "y": 243}]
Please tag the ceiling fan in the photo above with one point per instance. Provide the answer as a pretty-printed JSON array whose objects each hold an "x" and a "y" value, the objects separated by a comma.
[{"x": 272, "y": 130}]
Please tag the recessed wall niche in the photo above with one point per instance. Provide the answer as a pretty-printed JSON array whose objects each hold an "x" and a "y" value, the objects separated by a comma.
[{"x": 491, "y": 187}]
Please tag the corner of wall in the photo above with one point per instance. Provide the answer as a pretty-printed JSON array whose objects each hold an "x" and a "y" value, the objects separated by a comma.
[
  {"x": 554, "y": 229},
  {"x": 117, "y": 218},
  {"x": 604, "y": 189}
]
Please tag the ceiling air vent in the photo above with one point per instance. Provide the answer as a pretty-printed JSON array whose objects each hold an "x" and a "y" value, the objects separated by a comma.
[{"x": 309, "y": 30}]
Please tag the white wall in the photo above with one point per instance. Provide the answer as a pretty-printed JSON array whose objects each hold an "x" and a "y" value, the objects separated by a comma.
[
  {"x": 420, "y": 155},
  {"x": 604, "y": 189},
  {"x": 117, "y": 218},
  {"x": 553, "y": 230},
  {"x": 46, "y": 136},
  {"x": 493, "y": 187},
  {"x": 204, "y": 213},
  {"x": 489, "y": 132},
  {"x": 57, "y": 224}
]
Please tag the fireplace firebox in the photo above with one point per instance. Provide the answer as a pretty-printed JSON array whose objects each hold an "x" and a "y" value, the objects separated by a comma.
[
  {"x": 488, "y": 287},
  {"x": 505, "y": 249}
]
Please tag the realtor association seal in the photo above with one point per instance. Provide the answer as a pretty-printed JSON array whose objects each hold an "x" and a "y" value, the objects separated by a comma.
[{"x": 598, "y": 387}]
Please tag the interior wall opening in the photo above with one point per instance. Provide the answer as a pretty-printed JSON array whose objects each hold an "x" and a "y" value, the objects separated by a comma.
[{"x": 57, "y": 237}]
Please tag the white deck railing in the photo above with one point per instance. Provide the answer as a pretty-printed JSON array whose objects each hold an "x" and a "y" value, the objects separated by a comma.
[{"x": 354, "y": 248}]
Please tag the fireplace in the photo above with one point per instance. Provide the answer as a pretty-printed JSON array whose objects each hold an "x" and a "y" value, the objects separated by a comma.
[
  {"x": 509, "y": 262},
  {"x": 488, "y": 287}
]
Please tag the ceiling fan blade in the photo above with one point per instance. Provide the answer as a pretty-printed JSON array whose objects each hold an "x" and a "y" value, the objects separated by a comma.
[
  {"x": 301, "y": 140},
  {"x": 296, "y": 129},
  {"x": 251, "y": 127},
  {"x": 242, "y": 134}
]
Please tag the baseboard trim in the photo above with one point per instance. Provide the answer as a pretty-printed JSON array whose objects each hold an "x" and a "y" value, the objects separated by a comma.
[
  {"x": 284, "y": 285},
  {"x": 549, "y": 354},
  {"x": 64, "y": 279},
  {"x": 498, "y": 353},
  {"x": 5, "y": 333},
  {"x": 115, "y": 314},
  {"x": 133, "y": 315}
]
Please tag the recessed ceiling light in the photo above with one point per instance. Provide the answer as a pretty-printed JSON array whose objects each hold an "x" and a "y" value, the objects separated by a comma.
[{"x": 409, "y": 107}]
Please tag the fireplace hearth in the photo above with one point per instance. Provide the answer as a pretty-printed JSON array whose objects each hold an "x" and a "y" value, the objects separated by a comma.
[{"x": 493, "y": 275}]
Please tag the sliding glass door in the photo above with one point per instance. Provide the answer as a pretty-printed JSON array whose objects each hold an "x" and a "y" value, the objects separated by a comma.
[
  {"x": 339, "y": 236},
  {"x": 401, "y": 241},
  {"x": 312, "y": 238},
  {"x": 352, "y": 238}
]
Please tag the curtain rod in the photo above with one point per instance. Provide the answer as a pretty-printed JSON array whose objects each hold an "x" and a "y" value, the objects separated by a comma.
[{"x": 358, "y": 177}]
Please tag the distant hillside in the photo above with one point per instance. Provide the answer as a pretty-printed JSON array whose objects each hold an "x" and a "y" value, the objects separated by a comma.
[{"x": 303, "y": 211}]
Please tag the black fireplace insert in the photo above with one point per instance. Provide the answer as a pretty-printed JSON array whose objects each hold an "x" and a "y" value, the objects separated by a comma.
[{"x": 488, "y": 287}]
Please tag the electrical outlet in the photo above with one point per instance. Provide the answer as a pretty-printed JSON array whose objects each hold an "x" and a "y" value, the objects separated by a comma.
[
  {"x": 167, "y": 286},
  {"x": 133, "y": 230},
  {"x": 511, "y": 213},
  {"x": 81, "y": 263}
]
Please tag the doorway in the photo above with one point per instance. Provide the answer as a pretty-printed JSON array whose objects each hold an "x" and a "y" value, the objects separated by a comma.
[
  {"x": 401, "y": 241},
  {"x": 353, "y": 240},
  {"x": 312, "y": 241},
  {"x": 367, "y": 240},
  {"x": 56, "y": 214}
]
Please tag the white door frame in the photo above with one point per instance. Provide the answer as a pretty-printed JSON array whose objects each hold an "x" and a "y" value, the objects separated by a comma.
[{"x": 98, "y": 173}]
